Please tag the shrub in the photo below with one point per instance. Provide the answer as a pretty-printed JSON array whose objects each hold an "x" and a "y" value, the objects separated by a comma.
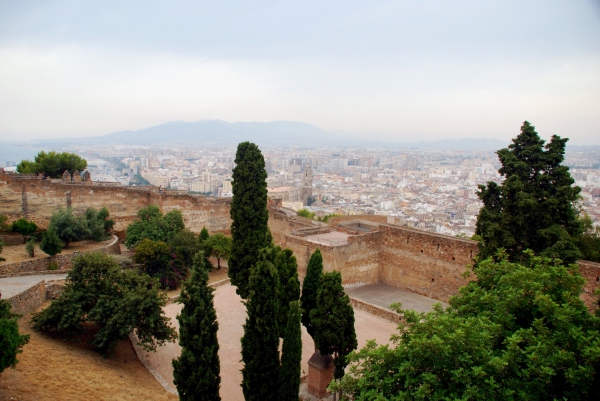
[
  {"x": 98, "y": 223},
  {"x": 122, "y": 260},
  {"x": 11, "y": 341},
  {"x": 30, "y": 247},
  {"x": 53, "y": 265}
]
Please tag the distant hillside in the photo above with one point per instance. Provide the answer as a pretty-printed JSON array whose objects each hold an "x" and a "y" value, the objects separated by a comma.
[{"x": 221, "y": 132}]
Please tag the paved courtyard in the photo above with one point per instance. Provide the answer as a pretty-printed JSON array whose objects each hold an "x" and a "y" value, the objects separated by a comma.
[
  {"x": 231, "y": 315},
  {"x": 384, "y": 295}
]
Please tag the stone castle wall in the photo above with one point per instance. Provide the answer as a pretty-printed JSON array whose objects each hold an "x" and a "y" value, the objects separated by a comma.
[
  {"x": 417, "y": 261},
  {"x": 37, "y": 199}
]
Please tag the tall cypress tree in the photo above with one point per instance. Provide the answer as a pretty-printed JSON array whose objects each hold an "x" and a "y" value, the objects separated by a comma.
[
  {"x": 196, "y": 371},
  {"x": 287, "y": 268},
  {"x": 310, "y": 287},
  {"x": 333, "y": 321},
  {"x": 533, "y": 207},
  {"x": 291, "y": 356},
  {"x": 260, "y": 343},
  {"x": 249, "y": 215}
]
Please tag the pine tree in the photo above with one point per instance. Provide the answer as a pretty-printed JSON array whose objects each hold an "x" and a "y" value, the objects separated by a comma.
[
  {"x": 51, "y": 244},
  {"x": 291, "y": 356},
  {"x": 196, "y": 371},
  {"x": 333, "y": 322},
  {"x": 310, "y": 287},
  {"x": 260, "y": 353},
  {"x": 287, "y": 268},
  {"x": 533, "y": 207},
  {"x": 249, "y": 215}
]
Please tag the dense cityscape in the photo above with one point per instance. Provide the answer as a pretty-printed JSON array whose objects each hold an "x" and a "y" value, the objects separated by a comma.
[{"x": 431, "y": 190}]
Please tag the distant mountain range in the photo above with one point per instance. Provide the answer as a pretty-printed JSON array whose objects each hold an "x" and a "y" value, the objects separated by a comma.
[{"x": 274, "y": 133}]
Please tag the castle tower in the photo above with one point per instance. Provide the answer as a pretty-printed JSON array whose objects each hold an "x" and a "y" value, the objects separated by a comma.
[{"x": 307, "y": 184}]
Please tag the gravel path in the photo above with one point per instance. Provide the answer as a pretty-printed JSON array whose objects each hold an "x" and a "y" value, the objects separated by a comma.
[{"x": 11, "y": 286}]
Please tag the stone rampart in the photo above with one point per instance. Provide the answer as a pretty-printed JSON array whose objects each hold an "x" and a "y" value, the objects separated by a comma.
[
  {"x": 37, "y": 199},
  {"x": 28, "y": 300},
  {"x": 424, "y": 263},
  {"x": 41, "y": 265}
]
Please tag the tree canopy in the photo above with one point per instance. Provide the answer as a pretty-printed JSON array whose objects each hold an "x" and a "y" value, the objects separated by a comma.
[
  {"x": 158, "y": 260},
  {"x": 51, "y": 243},
  {"x": 117, "y": 301},
  {"x": 52, "y": 163},
  {"x": 518, "y": 332},
  {"x": 533, "y": 207},
  {"x": 220, "y": 247},
  {"x": 249, "y": 215},
  {"x": 291, "y": 356},
  {"x": 24, "y": 227},
  {"x": 153, "y": 225}
]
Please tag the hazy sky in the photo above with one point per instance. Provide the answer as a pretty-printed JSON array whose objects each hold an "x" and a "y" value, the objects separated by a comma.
[{"x": 403, "y": 70}]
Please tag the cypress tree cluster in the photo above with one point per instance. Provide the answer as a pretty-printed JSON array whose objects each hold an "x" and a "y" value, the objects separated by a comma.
[
  {"x": 197, "y": 371},
  {"x": 249, "y": 215},
  {"x": 291, "y": 356},
  {"x": 260, "y": 342},
  {"x": 310, "y": 287}
]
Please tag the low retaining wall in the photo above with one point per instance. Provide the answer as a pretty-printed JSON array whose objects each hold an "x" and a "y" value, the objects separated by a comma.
[
  {"x": 28, "y": 300},
  {"x": 376, "y": 310},
  {"x": 35, "y": 266}
]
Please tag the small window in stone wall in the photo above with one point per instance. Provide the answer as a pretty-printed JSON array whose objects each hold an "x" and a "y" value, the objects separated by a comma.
[
  {"x": 453, "y": 258},
  {"x": 438, "y": 247},
  {"x": 421, "y": 251}
]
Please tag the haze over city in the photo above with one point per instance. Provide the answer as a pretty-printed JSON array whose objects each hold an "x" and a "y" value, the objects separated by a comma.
[{"x": 396, "y": 71}]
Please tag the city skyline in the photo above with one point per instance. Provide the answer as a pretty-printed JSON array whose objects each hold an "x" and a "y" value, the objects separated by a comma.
[{"x": 389, "y": 71}]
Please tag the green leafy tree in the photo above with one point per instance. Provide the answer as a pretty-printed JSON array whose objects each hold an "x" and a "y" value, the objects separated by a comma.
[
  {"x": 333, "y": 322},
  {"x": 151, "y": 224},
  {"x": 289, "y": 374},
  {"x": 533, "y": 207},
  {"x": 117, "y": 301},
  {"x": 98, "y": 223},
  {"x": 220, "y": 247},
  {"x": 30, "y": 247},
  {"x": 287, "y": 269},
  {"x": 249, "y": 215},
  {"x": 310, "y": 288},
  {"x": 157, "y": 260},
  {"x": 196, "y": 371},
  {"x": 24, "y": 227},
  {"x": 68, "y": 227},
  {"x": 11, "y": 341},
  {"x": 260, "y": 342},
  {"x": 517, "y": 332},
  {"x": 185, "y": 244},
  {"x": 52, "y": 163},
  {"x": 51, "y": 244}
]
